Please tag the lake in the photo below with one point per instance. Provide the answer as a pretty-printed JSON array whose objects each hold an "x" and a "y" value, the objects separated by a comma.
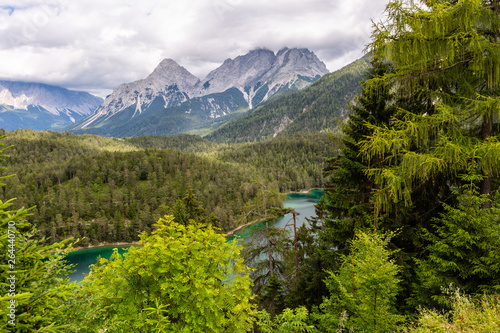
[{"x": 303, "y": 203}]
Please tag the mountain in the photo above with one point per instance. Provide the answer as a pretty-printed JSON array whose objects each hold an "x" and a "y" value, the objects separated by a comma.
[
  {"x": 260, "y": 74},
  {"x": 172, "y": 101},
  {"x": 40, "y": 106},
  {"x": 315, "y": 108}
]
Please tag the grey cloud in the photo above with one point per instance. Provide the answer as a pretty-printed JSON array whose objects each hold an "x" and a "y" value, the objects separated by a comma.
[{"x": 97, "y": 45}]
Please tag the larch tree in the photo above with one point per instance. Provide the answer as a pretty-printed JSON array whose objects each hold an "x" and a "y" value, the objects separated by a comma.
[{"x": 449, "y": 51}]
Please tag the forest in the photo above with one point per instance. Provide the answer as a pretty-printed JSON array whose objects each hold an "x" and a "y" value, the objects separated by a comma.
[
  {"x": 406, "y": 238},
  {"x": 104, "y": 190}
]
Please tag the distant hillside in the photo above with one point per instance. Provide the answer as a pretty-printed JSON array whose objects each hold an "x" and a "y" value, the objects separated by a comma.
[
  {"x": 109, "y": 189},
  {"x": 310, "y": 110}
]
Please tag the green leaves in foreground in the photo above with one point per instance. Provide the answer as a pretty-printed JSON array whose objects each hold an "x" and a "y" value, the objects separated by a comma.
[
  {"x": 364, "y": 290},
  {"x": 35, "y": 288},
  {"x": 468, "y": 314},
  {"x": 182, "y": 279}
]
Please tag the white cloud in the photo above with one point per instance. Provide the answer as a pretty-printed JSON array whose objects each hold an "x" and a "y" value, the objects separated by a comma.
[{"x": 97, "y": 44}]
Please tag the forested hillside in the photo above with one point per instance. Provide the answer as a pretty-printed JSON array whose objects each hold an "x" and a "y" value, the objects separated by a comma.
[
  {"x": 109, "y": 190},
  {"x": 313, "y": 109}
]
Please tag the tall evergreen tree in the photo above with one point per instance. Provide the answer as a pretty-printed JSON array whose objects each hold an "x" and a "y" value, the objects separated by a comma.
[
  {"x": 446, "y": 54},
  {"x": 450, "y": 51},
  {"x": 348, "y": 189}
]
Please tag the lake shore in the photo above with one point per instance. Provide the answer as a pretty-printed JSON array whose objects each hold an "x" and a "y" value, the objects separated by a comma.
[
  {"x": 228, "y": 234},
  {"x": 233, "y": 231},
  {"x": 118, "y": 244},
  {"x": 304, "y": 191}
]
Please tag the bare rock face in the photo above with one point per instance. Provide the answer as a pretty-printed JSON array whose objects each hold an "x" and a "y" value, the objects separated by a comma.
[
  {"x": 169, "y": 81},
  {"x": 56, "y": 100},
  {"x": 262, "y": 70}
]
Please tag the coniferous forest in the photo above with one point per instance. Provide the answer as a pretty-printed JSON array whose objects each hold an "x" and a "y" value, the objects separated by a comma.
[{"x": 406, "y": 238}]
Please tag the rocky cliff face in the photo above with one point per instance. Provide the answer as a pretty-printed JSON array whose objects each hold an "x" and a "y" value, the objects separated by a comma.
[
  {"x": 169, "y": 82},
  {"x": 51, "y": 106},
  {"x": 55, "y": 100},
  {"x": 238, "y": 83},
  {"x": 261, "y": 71}
]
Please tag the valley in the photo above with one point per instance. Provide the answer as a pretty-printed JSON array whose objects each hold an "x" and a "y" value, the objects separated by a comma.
[{"x": 109, "y": 190}]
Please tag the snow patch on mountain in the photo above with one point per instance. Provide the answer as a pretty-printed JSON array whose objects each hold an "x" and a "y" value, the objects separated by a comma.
[{"x": 56, "y": 100}]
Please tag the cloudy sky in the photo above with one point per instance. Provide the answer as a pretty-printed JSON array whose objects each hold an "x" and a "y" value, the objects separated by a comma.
[{"x": 95, "y": 45}]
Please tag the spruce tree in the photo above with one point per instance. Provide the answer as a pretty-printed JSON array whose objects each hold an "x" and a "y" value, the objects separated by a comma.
[
  {"x": 348, "y": 189},
  {"x": 463, "y": 247}
]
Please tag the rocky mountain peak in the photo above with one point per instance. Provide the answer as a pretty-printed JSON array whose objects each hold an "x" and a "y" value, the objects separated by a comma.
[
  {"x": 41, "y": 106},
  {"x": 238, "y": 72},
  {"x": 169, "y": 72},
  {"x": 294, "y": 62}
]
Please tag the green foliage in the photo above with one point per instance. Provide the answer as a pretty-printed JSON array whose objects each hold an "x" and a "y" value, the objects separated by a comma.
[
  {"x": 310, "y": 110},
  {"x": 188, "y": 209},
  {"x": 272, "y": 297},
  {"x": 449, "y": 52},
  {"x": 467, "y": 314},
  {"x": 266, "y": 254},
  {"x": 184, "y": 143},
  {"x": 348, "y": 189},
  {"x": 35, "y": 286},
  {"x": 289, "y": 321},
  {"x": 313, "y": 255},
  {"x": 108, "y": 190},
  {"x": 182, "y": 279},
  {"x": 365, "y": 288},
  {"x": 463, "y": 248},
  {"x": 294, "y": 162},
  {"x": 82, "y": 191}
]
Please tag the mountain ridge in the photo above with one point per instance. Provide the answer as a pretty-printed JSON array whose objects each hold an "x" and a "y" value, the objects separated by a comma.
[
  {"x": 172, "y": 91},
  {"x": 315, "y": 108},
  {"x": 42, "y": 106}
]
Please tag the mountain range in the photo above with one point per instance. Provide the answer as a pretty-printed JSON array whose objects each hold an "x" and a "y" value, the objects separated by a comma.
[
  {"x": 171, "y": 100},
  {"x": 250, "y": 98},
  {"x": 40, "y": 106},
  {"x": 313, "y": 109}
]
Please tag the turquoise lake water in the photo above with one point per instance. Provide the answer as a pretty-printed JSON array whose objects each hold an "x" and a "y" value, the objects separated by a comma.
[{"x": 303, "y": 203}]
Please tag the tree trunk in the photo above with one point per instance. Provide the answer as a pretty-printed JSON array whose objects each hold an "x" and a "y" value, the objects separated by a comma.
[
  {"x": 269, "y": 251},
  {"x": 486, "y": 183}
]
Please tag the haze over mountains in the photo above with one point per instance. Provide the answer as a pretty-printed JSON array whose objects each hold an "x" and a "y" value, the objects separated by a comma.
[{"x": 41, "y": 106}]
